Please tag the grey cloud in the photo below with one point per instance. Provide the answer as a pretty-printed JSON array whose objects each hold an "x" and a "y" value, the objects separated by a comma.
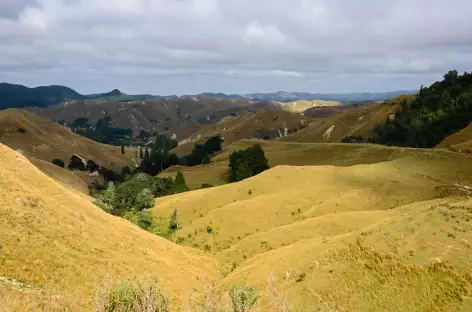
[{"x": 188, "y": 46}]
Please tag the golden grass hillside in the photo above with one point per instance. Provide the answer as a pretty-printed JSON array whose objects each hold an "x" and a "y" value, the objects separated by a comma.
[
  {"x": 388, "y": 235},
  {"x": 266, "y": 124},
  {"x": 54, "y": 239},
  {"x": 460, "y": 141},
  {"x": 314, "y": 154},
  {"x": 354, "y": 122},
  {"x": 46, "y": 140}
]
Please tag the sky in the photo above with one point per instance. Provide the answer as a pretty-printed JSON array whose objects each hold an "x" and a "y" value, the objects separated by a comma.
[{"x": 234, "y": 46}]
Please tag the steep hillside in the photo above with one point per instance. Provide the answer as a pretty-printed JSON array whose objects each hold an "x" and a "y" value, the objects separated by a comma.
[
  {"x": 57, "y": 241},
  {"x": 151, "y": 115},
  {"x": 384, "y": 235},
  {"x": 46, "y": 140},
  {"x": 460, "y": 141},
  {"x": 262, "y": 125},
  {"x": 359, "y": 121}
]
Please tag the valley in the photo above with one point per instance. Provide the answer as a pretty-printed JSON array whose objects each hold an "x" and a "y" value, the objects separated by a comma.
[{"x": 273, "y": 206}]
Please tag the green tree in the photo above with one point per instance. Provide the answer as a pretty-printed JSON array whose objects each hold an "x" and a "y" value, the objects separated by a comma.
[
  {"x": 122, "y": 148},
  {"x": 144, "y": 199},
  {"x": 243, "y": 171},
  {"x": 141, "y": 155},
  {"x": 180, "y": 185},
  {"x": 174, "y": 221}
]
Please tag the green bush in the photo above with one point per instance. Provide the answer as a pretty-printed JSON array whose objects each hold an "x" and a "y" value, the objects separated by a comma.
[
  {"x": 144, "y": 199},
  {"x": 76, "y": 163},
  {"x": 136, "y": 296},
  {"x": 243, "y": 298},
  {"x": 143, "y": 219},
  {"x": 126, "y": 195},
  {"x": 59, "y": 162},
  {"x": 174, "y": 221},
  {"x": 209, "y": 229}
]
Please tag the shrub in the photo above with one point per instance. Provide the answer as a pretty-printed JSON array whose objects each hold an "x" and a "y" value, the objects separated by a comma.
[
  {"x": 126, "y": 195},
  {"x": 174, "y": 221},
  {"x": 59, "y": 162},
  {"x": 143, "y": 219},
  {"x": 243, "y": 298},
  {"x": 76, "y": 163},
  {"x": 92, "y": 166},
  {"x": 144, "y": 199},
  {"x": 206, "y": 185},
  {"x": 21, "y": 130},
  {"x": 136, "y": 296},
  {"x": 301, "y": 277},
  {"x": 209, "y": 229}
]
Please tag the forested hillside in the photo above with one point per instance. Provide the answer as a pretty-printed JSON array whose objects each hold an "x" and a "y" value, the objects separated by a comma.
[{"x": 437, "y": 112}]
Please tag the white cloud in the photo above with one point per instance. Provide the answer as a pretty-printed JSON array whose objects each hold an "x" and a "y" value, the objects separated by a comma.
[{"x": 189, "y": 46}]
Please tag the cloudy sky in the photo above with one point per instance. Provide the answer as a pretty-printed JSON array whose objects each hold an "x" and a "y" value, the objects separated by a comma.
[{"x": 240, "y": 46}]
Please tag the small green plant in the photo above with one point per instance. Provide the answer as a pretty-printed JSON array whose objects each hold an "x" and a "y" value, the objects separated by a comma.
[
  {"x": 207, "y": 247},
  {"x": 250, "y": 192},
  {"x": 209, "y": 229},
  {"x": 233, "y": 267},
  {"x": 301, "y": 277},
  {"x": 180, "y": 240},
  {"x": 59, "y": 162},
  {"x": 134, "y": 296},
  {"x": 451, "y": 235},
  {"x": 174, "y": 221},
  {"x": 243, "y": 298},
  {"x": 21, "y": 130}
]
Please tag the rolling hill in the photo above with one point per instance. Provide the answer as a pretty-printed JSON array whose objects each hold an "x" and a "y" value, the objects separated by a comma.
[
  {"x": 385, "y": 228},
  {"x": 333, "y": 227},
  {"x": 56, "y": 241},
  {"x": 262, "y": 125},
  {"x": 460, "y": 141},
  {"x": 358, "y": 121},
  {"x": 46, "y": 140}
]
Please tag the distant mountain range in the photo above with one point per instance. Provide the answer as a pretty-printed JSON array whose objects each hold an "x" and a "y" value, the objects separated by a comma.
[{"x": 18, "y": 96}]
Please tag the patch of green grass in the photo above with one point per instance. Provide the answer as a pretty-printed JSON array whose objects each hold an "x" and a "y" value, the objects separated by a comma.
[{"x": 301, "y": 277}]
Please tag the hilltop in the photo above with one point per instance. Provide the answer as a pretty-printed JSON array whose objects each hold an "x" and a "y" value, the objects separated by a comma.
[
  {"x": 46, "y": 140},
  {"x": 362, "y": 219},
  {"x": 353, "y": 122}
]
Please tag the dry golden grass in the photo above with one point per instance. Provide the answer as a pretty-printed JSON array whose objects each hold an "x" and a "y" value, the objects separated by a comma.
[
  {"x": 46, "y": 140},
  {"x": 55, "y": 239},
  {"x": 354, "y": 122},
  {"x": 337, "y": 227},
  {"x": 460, "y": 141},
  {"x": 245, "y": 126}
]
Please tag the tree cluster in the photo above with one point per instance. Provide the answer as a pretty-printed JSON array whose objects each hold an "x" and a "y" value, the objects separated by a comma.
[
  {"x": 437, "y": 112},
  {"x": 202, "y": 153},
  {"x": 158, "y": 157},
  {"x": 247, "y": 163}
]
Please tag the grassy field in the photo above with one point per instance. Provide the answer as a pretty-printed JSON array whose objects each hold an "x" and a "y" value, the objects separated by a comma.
[
  {"x": 363, "y": 227},
  {"x": 54, "y": 239},
  {"x": 460, "y": 141},
  {"x": 338, "y": 227},
  {"x": 46, "y": 140},
  {"x": 315, "y": 154}
]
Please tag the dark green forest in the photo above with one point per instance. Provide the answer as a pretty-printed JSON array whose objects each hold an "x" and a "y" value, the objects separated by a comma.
[{"x": 437, "y": 112}]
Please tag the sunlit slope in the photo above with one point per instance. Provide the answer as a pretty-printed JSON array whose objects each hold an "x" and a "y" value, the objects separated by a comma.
[
  {"x": 46, "y": 140},
  {"x": 416, "y": 260},
  {"x": 265, "y": 124},
  {"x": 54, "y": 239},
  {"x": 359, "y": 121},
  {"x": 460, "y": 141},
  {"x": 387, "y": 236},
  {"x": 285, "y": 194},
  {"x": 335, "y": 154}
]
